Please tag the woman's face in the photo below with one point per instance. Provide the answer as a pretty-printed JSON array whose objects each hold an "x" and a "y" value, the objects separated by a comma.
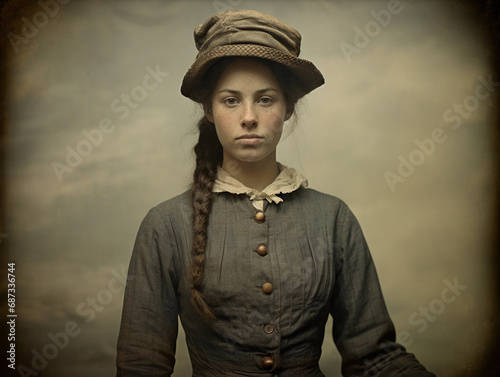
[{"x": 248, "y": 110}]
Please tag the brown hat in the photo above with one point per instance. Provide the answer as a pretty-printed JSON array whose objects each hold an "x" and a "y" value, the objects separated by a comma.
[{"x": 248, "y": 33}]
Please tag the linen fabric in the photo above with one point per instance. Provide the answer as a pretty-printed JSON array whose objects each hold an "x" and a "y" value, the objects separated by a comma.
[{"x": 317, "y": 263}]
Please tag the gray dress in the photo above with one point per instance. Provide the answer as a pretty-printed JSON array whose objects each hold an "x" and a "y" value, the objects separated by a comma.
[{"x": 272, "y": 279}]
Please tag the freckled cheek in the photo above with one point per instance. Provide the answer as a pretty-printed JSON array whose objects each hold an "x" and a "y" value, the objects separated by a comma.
[
  {"x": 276, "y": 123},
  {"x": 224, "y": 119},
  {"x": 224, "y": 124}
]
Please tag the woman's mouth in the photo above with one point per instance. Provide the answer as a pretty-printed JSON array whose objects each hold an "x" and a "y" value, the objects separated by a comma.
[{"x": 249, "y": 138}]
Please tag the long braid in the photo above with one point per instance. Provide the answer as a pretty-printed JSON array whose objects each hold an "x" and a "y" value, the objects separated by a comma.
[{"x": 208, "y": 152}]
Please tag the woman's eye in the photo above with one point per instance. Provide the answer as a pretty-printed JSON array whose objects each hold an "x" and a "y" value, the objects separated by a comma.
[
  {"x": 266, "y": 100},
  {"x": 230, "y": 101}
]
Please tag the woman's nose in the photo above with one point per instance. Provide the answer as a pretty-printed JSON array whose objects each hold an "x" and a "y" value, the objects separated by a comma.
[{"x": 249, "y": 116}]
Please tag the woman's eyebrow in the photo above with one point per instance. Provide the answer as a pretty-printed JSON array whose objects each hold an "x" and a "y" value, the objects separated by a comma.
[{"x": 260, "y": 91}]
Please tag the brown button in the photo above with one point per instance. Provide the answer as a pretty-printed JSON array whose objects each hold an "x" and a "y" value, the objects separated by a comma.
[
  {"x": 267, "y": 288},
  {"x": 262, "y": 249},
  {"x": 260, "y": 217},
  {"x": 268, "y": 328},
  {"x": 267, "y": 362}
]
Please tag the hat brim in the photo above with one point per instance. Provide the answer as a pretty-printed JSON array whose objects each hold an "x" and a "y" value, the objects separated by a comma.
[{"x": 309, "y": 76}]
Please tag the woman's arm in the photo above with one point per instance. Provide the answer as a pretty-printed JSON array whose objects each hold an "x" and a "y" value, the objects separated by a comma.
[
  {"x": 362, "y": 328},
  {"x": 148, "y": 333}
]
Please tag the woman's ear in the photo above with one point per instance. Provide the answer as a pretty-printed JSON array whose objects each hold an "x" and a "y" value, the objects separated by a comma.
[
  {"x": 289, "y": 113},
  {"x": 208, "y": 115}
]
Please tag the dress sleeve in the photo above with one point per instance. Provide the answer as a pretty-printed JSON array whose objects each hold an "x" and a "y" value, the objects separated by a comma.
[
  {"x": 148, "y": 331},
  {"x": 362, "y": 329}
]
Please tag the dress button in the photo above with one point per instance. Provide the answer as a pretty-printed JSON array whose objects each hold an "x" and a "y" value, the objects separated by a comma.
[
  {"x": 260, "y": 217},
  {"x": 262, "y": 249},
  {"x": 268, "y": 328},
  {"x": 267, "y": 288},
  {"x": 267, "y": 362}
]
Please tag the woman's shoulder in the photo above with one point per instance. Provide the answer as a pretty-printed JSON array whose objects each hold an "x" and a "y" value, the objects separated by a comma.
[
  {"x": 330, "y": 208},
  {"x": 314, "y": 197},
  {"x": 181, "y": 202},
  {"x": 177, "y": 207}
]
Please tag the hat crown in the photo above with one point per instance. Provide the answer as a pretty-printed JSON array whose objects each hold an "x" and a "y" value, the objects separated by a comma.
[{"x": 246, "y": 27}]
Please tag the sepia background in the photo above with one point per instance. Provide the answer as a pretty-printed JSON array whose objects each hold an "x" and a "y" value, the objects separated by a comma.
[{"x": 402, "y": 131}]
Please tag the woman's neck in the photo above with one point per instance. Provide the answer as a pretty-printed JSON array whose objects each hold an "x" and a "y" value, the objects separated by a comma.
[{"x": 257, "y": 175}]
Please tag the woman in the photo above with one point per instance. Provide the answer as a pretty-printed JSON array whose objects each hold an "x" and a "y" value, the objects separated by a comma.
[{"x": 250, "y": 259}]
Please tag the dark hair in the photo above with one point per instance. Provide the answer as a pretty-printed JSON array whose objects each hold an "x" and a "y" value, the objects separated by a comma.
[{"x": 208, "y": 153}]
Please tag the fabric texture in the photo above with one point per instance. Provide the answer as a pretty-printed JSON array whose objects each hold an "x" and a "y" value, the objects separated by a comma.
[
  {"x": 272, "y": 285},
  {"x": 243, "y": 32}
]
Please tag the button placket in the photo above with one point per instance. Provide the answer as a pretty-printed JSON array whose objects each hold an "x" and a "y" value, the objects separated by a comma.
[{"x": 263, "y": 270}]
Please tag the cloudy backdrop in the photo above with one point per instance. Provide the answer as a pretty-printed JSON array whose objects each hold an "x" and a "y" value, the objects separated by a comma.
[{"x": 402, "y": 131}]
